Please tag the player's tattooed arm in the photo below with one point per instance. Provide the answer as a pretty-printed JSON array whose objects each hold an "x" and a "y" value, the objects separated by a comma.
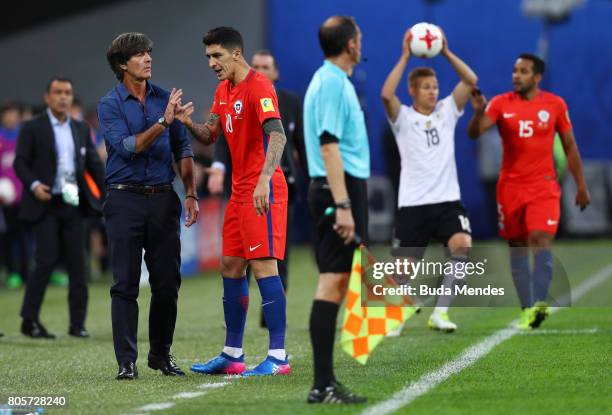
[
  {"x": 261, "y": 196},
  {"x": 208, "y": 132},
  {"x": 276, "y": 144}
]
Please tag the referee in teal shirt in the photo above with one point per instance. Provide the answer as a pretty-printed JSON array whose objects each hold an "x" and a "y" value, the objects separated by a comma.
[{"x": 339, "y": 166}]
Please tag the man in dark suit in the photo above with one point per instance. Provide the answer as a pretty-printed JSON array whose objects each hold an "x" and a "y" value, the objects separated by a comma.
[
  {"x": 290, "y": 108},
  {"x": 53, "y": 155}
]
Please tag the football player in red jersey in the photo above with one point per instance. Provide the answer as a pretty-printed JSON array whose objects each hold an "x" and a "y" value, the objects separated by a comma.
[
  {"x": 528, "y": 195},
  {"x": 245, "y": 109}
]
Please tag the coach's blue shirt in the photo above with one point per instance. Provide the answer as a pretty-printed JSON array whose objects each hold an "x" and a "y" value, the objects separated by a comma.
[
  {"x": 331, "y": 105},
  {"x": 122, "y": 117}
]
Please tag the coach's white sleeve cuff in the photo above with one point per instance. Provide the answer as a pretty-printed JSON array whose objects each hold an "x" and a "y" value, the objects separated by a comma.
[{"x": 34, "y": 184}]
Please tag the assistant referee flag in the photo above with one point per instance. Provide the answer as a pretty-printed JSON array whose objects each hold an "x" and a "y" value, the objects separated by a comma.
[{"x": 363, "y": 328}]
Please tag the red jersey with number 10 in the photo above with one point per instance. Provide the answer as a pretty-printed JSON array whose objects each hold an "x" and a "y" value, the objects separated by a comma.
[
  {"x": 528, "y": 131},
  {"x": 242, "y": 111}
]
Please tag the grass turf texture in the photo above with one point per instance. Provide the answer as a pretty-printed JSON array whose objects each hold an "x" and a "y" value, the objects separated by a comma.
[{"x": 545, "y": 373}]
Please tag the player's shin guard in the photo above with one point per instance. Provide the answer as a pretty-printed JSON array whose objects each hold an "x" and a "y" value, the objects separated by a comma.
[
  {"x": 322, "y": 332},
  {"x": 542, "y": 274},
  {"x": 519, "y": 266},
  {"x": 274, "y": 305},
  {"x": 235, "y": 305}
]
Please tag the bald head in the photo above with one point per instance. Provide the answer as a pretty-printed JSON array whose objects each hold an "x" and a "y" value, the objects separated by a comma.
[
  {"x": 335, "y": 33},
  {"x": 333, "y": 21}
]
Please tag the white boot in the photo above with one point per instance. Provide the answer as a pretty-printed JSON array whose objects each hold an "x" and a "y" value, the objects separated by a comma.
[
  {"x": 439, "y": 321},
  {"x": 396, "y": 332}
]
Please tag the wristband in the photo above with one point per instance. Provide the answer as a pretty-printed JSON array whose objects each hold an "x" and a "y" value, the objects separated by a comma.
[
  {"x": 162, "y": 121},
  {"x": 344, "y": 204},
  {"x": 193, "y": 197}
]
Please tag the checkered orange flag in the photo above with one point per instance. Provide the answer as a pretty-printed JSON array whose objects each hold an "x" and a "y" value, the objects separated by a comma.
[{"x": 363, "y": 328}]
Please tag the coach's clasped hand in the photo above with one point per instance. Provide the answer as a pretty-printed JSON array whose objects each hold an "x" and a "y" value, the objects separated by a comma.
[{"x": 174, "y": 102}]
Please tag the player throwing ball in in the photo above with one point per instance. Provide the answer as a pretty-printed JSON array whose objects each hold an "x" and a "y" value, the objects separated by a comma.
[
  {"x": 245, "y": 108},
  {"x": 528, "y": 195},
  {"x": 429, "y": 200}
]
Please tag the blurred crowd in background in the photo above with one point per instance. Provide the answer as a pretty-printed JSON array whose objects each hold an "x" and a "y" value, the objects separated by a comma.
[{"x": 16, "y": 245}]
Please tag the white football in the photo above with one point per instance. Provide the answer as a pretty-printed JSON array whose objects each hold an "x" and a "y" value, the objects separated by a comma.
[{"x": 426, "y": 40}]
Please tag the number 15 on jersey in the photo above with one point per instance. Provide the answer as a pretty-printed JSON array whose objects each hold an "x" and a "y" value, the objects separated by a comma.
[{"x": 525, "y": 128}]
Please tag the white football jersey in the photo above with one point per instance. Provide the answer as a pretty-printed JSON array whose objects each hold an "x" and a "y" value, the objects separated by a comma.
[{"x": 427, "y": 148}]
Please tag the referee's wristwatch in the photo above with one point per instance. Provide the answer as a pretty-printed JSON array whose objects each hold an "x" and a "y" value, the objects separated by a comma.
[
  {"x": 344, "y": 204},
  {"x": 162, "y": 121}
]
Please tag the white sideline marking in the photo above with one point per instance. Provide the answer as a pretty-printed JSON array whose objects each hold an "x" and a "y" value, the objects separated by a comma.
[
  {"x": 188, "y": 395},
  {"x": 430, "y": 380},
  {"x": 596, "y": 279},
  {"x": 560, "y": 331},
  {"x": 156, "y": 406},
  {"x": 433, "y": 379},
  {"x": 182, "y": 395},
  {"x": 213, "y": 385}
]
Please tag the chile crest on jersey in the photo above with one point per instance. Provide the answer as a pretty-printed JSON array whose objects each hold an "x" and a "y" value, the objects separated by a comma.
[{"x": 237, "y": 107}]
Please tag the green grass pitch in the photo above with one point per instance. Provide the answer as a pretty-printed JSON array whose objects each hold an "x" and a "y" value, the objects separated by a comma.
[{"x": 564, "y": 368}]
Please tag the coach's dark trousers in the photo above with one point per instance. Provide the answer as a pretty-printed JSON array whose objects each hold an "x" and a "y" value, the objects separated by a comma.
[
  {"x": 149, "y": 222},
  {"x": 61, "y": 229}
]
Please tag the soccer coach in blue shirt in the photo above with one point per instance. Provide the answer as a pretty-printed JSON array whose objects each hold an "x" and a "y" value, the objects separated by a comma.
[
  {"x": 339, "y": 166},
  {"x": 142, "y": 210}
]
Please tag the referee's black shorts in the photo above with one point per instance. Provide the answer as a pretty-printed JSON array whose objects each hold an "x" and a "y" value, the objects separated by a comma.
[{"x": 331, "y": 252}]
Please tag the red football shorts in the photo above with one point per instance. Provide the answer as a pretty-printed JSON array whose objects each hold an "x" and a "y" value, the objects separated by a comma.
[
  {"x": 524, "y": 208},
  {"x": 249, "y": 236}
]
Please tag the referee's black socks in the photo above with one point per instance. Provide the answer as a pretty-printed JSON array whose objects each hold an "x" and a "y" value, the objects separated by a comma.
[{"x": 322, "y": 333}]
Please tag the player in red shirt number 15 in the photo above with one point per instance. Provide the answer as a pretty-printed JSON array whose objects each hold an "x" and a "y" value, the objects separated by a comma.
[{"x": 528, "y": 194}]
